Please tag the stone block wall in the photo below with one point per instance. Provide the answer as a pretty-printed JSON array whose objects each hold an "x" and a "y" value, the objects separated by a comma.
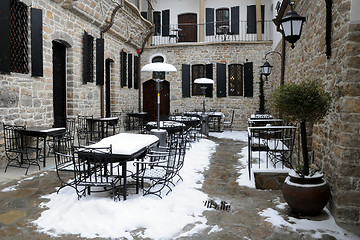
[
  {"x": 29, "y": 100},
  {"x": 205, "y": 53},
  {"x": 336, "y": 138}
]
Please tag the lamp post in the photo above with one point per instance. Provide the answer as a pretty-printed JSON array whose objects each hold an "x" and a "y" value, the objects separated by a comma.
[
  {"x": 204, "y": 83},
  {"x": 291, "y": 25},
  {"x": 266, "y": 67}
]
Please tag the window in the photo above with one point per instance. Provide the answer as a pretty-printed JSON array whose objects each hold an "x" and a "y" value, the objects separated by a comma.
[
  {"x": 235, "y": 80},
  {"x": 18, "y": 37},
  {"x": 158, "y": 75},
  {"x": 198, "y": 71},
  {"x": 157, "y": 23},
  {"x": 222, "y": 20}
]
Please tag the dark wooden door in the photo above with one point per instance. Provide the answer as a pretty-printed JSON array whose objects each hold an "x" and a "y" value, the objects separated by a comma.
[
  {"x": 188, "y": 25},
  {"x": 150, "y": 100},
  {"x": 59, "y": 84}
]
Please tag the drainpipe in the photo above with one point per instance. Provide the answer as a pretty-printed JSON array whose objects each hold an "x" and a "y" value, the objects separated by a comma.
[{"x": 104, "y": 30}]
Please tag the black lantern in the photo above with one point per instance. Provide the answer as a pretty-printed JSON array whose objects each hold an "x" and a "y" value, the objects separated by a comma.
[
  {"x": 266, "y": 69},
  {"x": 292, "y": 25}
]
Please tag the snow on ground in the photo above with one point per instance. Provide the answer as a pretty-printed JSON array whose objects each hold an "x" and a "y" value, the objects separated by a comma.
[
  {"x": 317, "y": 228},
  {"x": 95, "y": 216}
]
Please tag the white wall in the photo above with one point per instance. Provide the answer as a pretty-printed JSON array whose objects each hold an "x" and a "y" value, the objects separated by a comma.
[
  {"x": 276, "y": 35},
  {"x": 355, "y": 12}
]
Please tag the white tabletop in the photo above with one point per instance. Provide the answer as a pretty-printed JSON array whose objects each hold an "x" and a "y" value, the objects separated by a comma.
[{"x": 127, "y": 143}]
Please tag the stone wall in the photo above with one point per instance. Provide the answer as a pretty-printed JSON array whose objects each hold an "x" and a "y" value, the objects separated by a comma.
[
  {"x": 336, "y": 138},
  {"x": 205, "y": 53},
  {"x": 29, "y": 100}
]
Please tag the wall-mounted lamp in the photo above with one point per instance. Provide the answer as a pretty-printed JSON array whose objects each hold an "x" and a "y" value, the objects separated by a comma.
[
  {"x": 266, "y": 67},
  {"x": 292, "y": 25}
]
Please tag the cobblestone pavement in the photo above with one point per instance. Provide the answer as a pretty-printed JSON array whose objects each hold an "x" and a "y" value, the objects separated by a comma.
[{"x": 239, "y": 219}]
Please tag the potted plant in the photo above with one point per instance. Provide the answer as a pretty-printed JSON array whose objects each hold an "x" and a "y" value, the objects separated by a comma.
[{"x": 304, "y": 189}]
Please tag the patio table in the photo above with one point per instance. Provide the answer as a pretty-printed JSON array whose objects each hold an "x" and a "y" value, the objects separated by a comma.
[
  {"x": 170, "y": 126},
  {"x": 42, "y": 132},
  {"x": 188, "y": 121},
  {"x": 103, "y": 124},
  {"x": 127, "y": 147},
  {"x": 214, "y": 117},
  {"x": 136, "y": 115}
]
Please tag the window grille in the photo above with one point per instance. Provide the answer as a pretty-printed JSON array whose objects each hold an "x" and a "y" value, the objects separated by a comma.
[
  {"x": 18, "y": 37},
  {"x": 235, "y": 80}
]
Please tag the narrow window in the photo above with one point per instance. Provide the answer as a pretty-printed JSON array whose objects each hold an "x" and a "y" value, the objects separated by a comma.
[
  {"x": 18, "y": 37},
  {"x": 157, "y": 23},
  {"x": 197, "y": 71},
  {"x": 222, "y": 20},
  {"x": 235, "y": 80}
]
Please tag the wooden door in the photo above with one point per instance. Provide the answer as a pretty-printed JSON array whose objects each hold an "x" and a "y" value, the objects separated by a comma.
[
  {"x": 59, "y": 84},
  {"x": 188, "y": 25},
  {"x": 150, "y": 100}
]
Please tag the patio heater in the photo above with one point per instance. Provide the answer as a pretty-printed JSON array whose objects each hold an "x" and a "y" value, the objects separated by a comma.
[
  {"x": 159, "y": 67},
  {"x": 204, "y": 83}
]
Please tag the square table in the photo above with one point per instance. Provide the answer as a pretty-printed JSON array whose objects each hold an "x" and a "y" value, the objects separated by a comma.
[
  {"x": 42, "y": 132},
  {"x": 127, "y": 147}
]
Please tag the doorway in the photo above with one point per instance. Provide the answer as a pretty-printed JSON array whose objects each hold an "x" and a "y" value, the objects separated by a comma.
[
  {"x": 150, "y": 100},
  {"x": 188, "y": 24},
  {"x": 59, "y": 83}
]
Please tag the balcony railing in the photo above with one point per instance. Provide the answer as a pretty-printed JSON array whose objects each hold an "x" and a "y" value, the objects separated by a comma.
[{"x": 213, "y": 32}]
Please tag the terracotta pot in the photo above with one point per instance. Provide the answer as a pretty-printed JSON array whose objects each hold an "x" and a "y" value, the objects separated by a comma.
[{"x": 306, "y": 195}]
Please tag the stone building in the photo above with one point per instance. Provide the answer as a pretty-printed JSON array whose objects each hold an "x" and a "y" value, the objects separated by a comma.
[{"x": 83, "y": 57}]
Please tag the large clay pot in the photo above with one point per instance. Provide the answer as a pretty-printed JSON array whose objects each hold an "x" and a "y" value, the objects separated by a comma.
[{"x": 306, "y": 195}]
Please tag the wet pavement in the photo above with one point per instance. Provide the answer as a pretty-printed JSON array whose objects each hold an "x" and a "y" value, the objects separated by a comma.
[{"x": 237, "y": 218}]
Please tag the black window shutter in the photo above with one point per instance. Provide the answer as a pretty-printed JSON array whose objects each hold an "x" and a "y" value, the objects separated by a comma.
[
  {"x": 248, "y": 79},
  {"x": 5, "y": 36},
  {"x": 130, "y": 70},
  {"x": 185, "y": 80},
  {"x": 165, "y": 22},
  {"x": 136, "y": 72},
  {"x": 262, "y": 17},
  {"x": 251, "y": 19},
  {"x": 36, "y": 43},
  {"x": 221, "y": 80},
  {"x": 123, "y": 56},
  {"x": 209, "y": 74},
  {"x": 100, "y": 61},
  {"x": 144, "y": 14},
  {"x": 235, "y": 20},
  {"x": 209, "y": 21},
  {"x": 88, "y": 58}
]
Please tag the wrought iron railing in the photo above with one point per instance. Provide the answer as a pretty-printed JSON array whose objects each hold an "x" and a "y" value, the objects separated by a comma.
[{"x": 213, "y": 32}]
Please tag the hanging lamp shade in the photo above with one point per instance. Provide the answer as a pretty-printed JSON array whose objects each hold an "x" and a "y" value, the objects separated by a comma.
[
  {"x": 292, "y": 26},
  {"x": 266, "y": 69}
]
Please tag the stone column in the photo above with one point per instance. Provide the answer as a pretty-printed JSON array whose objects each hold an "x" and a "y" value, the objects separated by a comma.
[
  {"x": 258, "y": 20},
  {"x": 201, "y": 20}
]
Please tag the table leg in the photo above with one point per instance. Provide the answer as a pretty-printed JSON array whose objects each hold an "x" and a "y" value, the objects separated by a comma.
[
  {"x": 44, "y": 163},
  {"x": 124, "y": 177}
]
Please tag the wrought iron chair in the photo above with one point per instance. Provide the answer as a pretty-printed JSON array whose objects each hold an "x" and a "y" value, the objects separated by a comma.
[
  {"x": 101, "y": 174},
  {"x": 158, "y": 168},
  {"x": 19, "y": 150},
  {"x": 228, "y": 123}
]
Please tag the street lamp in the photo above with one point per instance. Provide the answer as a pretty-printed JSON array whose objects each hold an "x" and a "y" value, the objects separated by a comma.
[
  {"x": 266, "y": 67},
  {"x": 158, "y": 67},
  {"x": 292, "y": 25}
]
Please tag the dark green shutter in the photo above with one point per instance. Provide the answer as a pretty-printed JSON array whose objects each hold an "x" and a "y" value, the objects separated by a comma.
[
  {"x": 136, "y": 72},
  {"x": 251, "y": 19},
  {"x": 165, "y": 22},
  {"x": 235, "y": 20},
  {"x": 185, "y": 80},
  {"x": 100, "y": 61},
  {"x": 209, "y": 21},
  {"x": 220, "y": 80},
  {"x": 36, "y": 43},
  {"x": 130, "y": 71},
  {"x": 5, "y": 36},
  {"x": 248, "y": 79},
  {"x": 123, "y": 57},
  {"x": 209, "y": 74},
  {"x": 144, "y": 14}
]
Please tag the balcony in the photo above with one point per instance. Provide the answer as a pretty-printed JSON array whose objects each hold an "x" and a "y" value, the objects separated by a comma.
[{"x": 211, "y": 32}]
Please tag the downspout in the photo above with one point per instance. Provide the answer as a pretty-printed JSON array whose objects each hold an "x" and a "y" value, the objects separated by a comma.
[{"x": 104, "y": 30}]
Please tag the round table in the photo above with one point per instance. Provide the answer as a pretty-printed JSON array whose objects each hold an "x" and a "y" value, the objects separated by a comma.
[
  {"x": 187, "y": 120},
  {"x": 170, "y": 126}
]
